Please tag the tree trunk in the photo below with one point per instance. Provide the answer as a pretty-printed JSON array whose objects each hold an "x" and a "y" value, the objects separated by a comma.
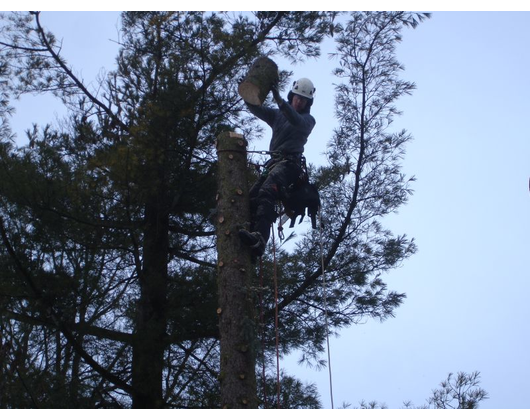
[
  {"x": 260, "y": 78},
  {"x": 236, "y": 306},
  {"x": 151, "y": 321}
]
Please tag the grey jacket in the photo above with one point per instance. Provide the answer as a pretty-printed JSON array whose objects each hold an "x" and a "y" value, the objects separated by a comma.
[{"x": 290, "y": 129}]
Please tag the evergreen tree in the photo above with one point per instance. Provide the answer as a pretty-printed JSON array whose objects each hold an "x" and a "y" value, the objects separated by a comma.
[
  {"x": 108, "y": 284},
  {"x": 460, "y": 392}
]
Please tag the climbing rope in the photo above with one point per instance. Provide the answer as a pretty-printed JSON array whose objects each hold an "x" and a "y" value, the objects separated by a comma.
[
  {"x": 326, "y": 317},
  {"x": 324, "y": 287},
  {"x": 263, "y": 375},
  {"x": 275, "y": 273},
  {"x": 276, "y": 332},
  {"x": 276, "y": 329}
]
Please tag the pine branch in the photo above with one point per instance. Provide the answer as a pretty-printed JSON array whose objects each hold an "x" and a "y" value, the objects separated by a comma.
[
  {"x": 56, "y": 318},
  {"x": 75, "y": 80}
]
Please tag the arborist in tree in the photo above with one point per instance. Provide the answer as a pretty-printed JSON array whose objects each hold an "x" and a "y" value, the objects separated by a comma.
[{"x": 291, "y": 125}]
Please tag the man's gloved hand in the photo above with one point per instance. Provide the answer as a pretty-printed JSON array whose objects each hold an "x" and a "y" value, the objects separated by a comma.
[{"x": 276, "y": 95}]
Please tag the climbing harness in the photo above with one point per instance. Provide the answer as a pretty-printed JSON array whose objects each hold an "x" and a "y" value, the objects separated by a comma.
[{"x": 296, "y": 197}]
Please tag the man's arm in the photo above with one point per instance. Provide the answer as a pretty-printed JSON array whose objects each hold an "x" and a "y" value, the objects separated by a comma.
[
  {"x": 262, "y": 112},
  {"x": 304, "y": 122}
]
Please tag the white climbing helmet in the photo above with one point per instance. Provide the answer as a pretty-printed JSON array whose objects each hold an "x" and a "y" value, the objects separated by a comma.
[{"x": 304, "y": 87}]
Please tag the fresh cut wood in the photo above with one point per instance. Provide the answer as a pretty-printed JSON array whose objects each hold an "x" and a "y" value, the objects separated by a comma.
[{"x": 263, "y": 74}]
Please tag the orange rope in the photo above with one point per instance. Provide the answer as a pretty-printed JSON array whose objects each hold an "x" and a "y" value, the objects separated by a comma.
[
  {"x": 276, "y": 319},
  {"x": 263, "y": 375}
]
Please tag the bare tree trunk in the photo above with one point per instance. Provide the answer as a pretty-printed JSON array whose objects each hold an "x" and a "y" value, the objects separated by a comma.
[
  {"x": 259, "y": 80},
  {"x": 236, "y": 306},
  {"x": 148, "y": 344}
]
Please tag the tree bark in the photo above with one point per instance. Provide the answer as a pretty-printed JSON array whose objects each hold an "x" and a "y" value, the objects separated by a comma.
[
  {"x": 236, "y": 306},
  {"x": 260, "y": 78},
  {"x": 151, "y": 321}
]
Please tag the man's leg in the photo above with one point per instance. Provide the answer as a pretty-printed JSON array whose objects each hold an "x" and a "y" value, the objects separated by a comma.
[
  {"x": 265, "y": 215},
  {"x": 283, "y": 174}
]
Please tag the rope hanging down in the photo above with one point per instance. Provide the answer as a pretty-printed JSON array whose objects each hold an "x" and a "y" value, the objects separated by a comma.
[
  {"x": 324, "y": 287},
  {"x": 276, "y": 320},
  {"x": 276, "y": 333},
  {"x": 262, "y": 327},
  {"x": 276, "y": 315}
]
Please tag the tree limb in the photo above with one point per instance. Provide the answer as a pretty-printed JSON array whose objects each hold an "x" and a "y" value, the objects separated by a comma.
[
  {"x": 76, "y": 81},
  {"x": 61, "y": 326}
]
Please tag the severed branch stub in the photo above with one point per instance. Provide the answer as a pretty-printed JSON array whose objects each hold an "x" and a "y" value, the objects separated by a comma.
[{"x": 263, "y": 74}]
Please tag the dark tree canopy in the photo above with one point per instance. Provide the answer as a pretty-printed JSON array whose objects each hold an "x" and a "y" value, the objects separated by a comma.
[{"x": 108, "y": 289}]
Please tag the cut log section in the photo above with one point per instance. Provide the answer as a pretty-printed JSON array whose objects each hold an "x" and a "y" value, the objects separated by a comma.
[{"x": 263, "y": 74}]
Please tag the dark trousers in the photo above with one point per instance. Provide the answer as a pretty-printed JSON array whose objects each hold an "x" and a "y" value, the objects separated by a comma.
[{"x": 266, "y": 192}]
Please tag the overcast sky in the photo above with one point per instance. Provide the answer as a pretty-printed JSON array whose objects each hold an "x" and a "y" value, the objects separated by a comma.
[{"x": 468, "y": 285}]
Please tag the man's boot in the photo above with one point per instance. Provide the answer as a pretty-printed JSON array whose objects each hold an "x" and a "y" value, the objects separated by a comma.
[{"x": 254, "y": 240}]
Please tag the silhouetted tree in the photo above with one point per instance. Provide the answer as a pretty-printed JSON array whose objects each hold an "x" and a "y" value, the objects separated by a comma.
[{"x": 108, "y": 274}]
